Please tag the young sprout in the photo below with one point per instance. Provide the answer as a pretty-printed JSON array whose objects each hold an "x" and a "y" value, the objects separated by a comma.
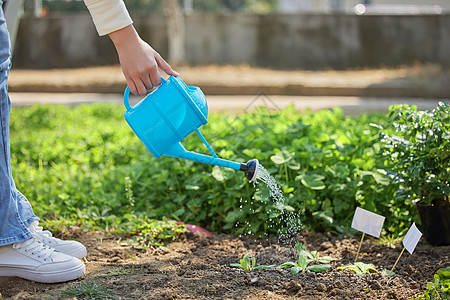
[
  {"x": 248, "y": 265},
  {"x": 359, "y": 268},
  {"x": 305, "y": 257}
]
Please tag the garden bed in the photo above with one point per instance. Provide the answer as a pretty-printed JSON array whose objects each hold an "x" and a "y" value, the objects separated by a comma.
[{"x": 198, "y": 267}]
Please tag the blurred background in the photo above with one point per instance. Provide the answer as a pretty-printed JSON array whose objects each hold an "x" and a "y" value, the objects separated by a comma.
[{"x": 332, "y": 48}]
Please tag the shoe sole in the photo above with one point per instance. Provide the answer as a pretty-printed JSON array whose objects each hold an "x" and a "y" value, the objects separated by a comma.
[{"x": 48, "y": 277}]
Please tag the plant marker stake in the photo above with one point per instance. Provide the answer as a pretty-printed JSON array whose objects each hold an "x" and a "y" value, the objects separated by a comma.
[
  {"x": 397, "y": 261},
  {"x": 359, "y": 247},
  {"x": 410, "y": 241},
  {"x": 367, "y": 222}
]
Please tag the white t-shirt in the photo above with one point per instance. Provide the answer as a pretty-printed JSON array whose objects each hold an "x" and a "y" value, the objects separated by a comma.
[{"x": 108, "y": 15}]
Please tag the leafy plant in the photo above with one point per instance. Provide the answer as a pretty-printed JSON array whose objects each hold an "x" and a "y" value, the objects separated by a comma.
[
  {"x": 305, "y": 258},
  {"x": 439, "y": 288},
  {"x": 248, "y": 264},
  {"x": 390, "y": 241},
  {"x": 417, "y": 152},
  {"x": 86, "y": 166},
  {"x": 359, "y": 268}
]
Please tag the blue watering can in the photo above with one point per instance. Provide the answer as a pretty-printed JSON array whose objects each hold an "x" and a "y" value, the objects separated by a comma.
[{"x": 169, "y": 114}]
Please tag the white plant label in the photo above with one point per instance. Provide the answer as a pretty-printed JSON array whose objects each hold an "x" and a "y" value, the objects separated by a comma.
[
  {"x": 367, "y": 222},
  {"x": 411, "y": 238}
]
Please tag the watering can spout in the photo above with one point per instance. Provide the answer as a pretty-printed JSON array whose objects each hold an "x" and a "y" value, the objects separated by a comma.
[{"x": 250, "y": 169}]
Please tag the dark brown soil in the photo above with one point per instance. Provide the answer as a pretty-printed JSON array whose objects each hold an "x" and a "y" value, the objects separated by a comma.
[{"x": 198, "y": 267}]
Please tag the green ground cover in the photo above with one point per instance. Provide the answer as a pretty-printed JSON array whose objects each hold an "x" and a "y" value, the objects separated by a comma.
[{"x": 83, "y": 165}]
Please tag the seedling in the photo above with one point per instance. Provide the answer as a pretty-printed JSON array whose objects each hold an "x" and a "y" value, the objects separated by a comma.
[
  {"x": 314, "y": 256},
  {"x": 305, "y": 257},
  {"x": 439, "y": 288},
  {"x": 359, "y": 268},
  {"x": 248, "y": 265},
  {"x": 389, "y": 241}
]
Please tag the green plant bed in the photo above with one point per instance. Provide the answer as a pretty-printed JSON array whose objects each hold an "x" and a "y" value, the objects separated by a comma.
[{"x": 84, "y": 162}]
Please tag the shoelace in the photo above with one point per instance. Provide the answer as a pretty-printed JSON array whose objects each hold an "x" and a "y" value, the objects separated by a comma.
[
  {"x": 35, "y": 247},
  {"x": 44, "y": 236}
]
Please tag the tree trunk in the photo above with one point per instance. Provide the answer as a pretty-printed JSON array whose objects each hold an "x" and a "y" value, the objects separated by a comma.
[{"x": 176, "y": 33}]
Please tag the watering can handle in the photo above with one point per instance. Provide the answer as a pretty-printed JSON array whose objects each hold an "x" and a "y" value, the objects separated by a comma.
[{"x": 126, "y": 95}]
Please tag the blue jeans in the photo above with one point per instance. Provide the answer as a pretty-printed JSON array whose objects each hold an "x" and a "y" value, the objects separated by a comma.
[{"x": 15, "y": 210}]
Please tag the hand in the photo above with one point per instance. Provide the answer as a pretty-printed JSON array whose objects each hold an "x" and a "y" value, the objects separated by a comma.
[{"x": 139, "y": 61}]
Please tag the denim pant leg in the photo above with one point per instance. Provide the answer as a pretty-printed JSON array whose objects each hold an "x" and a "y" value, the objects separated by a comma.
[{"x": 15, "y": 210}]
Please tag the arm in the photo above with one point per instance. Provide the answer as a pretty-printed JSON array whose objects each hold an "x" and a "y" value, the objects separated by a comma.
[{"x": 138, "y": 59}]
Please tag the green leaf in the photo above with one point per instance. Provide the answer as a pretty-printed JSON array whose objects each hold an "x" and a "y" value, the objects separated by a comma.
[
  {"x": 295, "y": 270},
  {"x": 302, "y": 260},
  {"x": 339, "y": 170},
  {"x": 324, "y": 216},
  {"x": 312, "y": 181},
  {"x": 265, "y": 267},
  {"x": 283, "y": 207},
  {"x": 366, "y": 268},
  {"x": 287, "y": 265},
  {"x": 360, "y": 268},
  {"x": 217, "y": 173},
  {"x": 351, "y": 268},
  {"x": 293, "y": 165},
  {"x": 282, "y": 157},
  {"x": 300, "y": 247},
  {"x": 192, "y": 187},
  {"x": 318, "y": 268},
  {"x": 444, "y": 272}
]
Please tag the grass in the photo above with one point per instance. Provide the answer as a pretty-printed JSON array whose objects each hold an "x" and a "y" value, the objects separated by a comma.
[{"x": 88, "y": 289}]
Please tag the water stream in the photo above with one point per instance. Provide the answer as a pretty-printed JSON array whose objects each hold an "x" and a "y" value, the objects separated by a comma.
[{"x": 288, "y": 222}]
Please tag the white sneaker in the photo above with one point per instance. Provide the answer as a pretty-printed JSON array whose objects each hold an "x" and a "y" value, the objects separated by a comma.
[
  {"x": 35, "y": 261},
  {"x": 72, "y": 248}
]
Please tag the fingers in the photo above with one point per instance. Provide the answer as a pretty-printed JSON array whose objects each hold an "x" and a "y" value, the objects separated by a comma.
[
  {"x": 143, "y": 81},
  {"x": 155, "y": 77},
  {"x": 165, "y": 66}
]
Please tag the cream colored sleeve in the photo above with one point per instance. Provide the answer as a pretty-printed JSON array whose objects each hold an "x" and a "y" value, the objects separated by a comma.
[{"x": 108, "y": 15}]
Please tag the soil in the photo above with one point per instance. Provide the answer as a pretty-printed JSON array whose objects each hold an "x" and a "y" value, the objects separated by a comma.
[{"x": 198, "y": 267}]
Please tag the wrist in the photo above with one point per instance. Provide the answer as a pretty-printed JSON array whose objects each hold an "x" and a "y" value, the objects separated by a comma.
[{"x": 123, "y": 35}]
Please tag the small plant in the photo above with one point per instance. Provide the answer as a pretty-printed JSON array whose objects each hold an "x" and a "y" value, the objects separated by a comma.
[
  {"x": 359, "y": 268},
  {"x": 388, "y": 240},
  {"x": 120, "y": 272},
  {"x": 87, "y": 290},
  {"x": 305, "y": 257},
  {"x": 439, "y": 288},
  {"x": 314, "y": 256},
  {"x": 248, "y": 264}
]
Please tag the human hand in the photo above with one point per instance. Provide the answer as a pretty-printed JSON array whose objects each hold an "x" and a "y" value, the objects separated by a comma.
[{"x": 139, "y": 61}]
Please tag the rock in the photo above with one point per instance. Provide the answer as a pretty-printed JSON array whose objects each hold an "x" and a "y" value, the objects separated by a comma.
[
  {"x": 321, "y": 287},
  {"x": 293, "y": 287}
]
